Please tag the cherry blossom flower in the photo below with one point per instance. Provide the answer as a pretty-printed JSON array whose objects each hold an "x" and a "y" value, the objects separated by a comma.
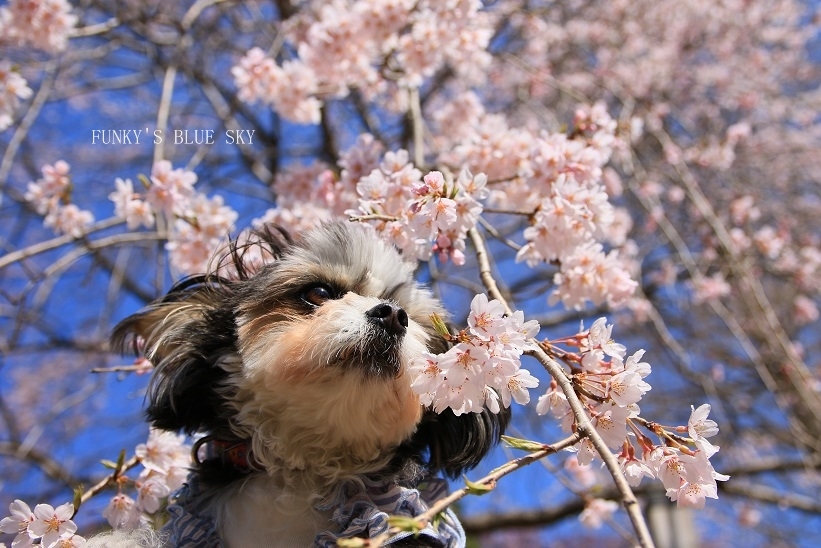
[
  {"x": 749, "y": 516},
  {"x": 167, "y": 461},
  {"x": 343, "y": 46},
  {"x": 150, "y": 492},
  {"x": 122, "y": 513},
  {"x": 69, "y": 219},
  {"x": 712, "y": 288},
  {"x": 583, "y": 476},
  {"x": 44, "y": 24},
  {"x": 18, "y": 524},
  {"x": 685, "y": 472},
  {"x": 553, "y": 401},
  {"x": 590, "y": 275},
  {"x": 596, "y": 512},
  {"x": 420, "y": 217},
  {"x": 45, "y": 193},
  {"x": 171, "y": 189},
  {"x": 586, "y": 452},
  {"x": 194, "y": 242},
  {"x": 610, "y": 421},
  {"x": 296, "y": 218},
  {"x": 516, "y": 385},
  {"x": 693, "y": 495},
  {"x": 626, "y": 388},
  {"x": 633, "y": 364},
  {"x": 52, "y": 523},
  {"x": 128, "y": 205},
  {"x": 74, "y": 541},
  {"x": 359, "y": 160},
  {"x": 669, "y": 468},
  {"x": 769, "y": 242},
  {"x": 50, "y": 196},
  {"x": 162, "y": 451},
  {"x": 486, "y": 319},
  {"x": 428, "y": 377},
  {"x": 600, "y": 337},
  {"x": 635, "y": 469},
  {"x": 13, "y": 88},
  {"x": 804, "y": 310},
  {"x": 744, "y": 210},
  {"x": 698, "y": 426}
]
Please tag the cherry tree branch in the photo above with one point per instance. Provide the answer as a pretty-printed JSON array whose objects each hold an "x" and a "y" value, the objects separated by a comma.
[
  {"x": 54, "y": 243},
  {"x": 583, "y": 424},
  {"x": 109, "y": 480},
  {"x": 48, "y": 465}
]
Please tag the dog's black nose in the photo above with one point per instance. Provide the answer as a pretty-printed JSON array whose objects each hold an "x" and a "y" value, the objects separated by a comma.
[{"x": 392, "y": 318}]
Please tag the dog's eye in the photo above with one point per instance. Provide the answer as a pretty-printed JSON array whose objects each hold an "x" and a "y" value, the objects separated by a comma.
[{"x": 318, "y": 294}]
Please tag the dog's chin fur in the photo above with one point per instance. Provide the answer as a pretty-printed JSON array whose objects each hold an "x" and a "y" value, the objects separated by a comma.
[{"x": 315, "y": 381}]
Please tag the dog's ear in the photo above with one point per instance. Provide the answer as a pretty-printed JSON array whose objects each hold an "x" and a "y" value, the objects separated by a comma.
[{"x": 190, "y": 337}]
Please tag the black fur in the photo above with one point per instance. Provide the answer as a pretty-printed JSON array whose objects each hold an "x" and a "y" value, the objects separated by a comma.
[{"x": 186, "y": 392}]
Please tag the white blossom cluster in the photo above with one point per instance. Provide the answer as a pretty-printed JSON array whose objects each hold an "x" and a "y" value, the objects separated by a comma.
[
  {"x": 42, "y": 24},
  {"x": 197, "y": 225},
  {"x": 165, "y": 459},
  {"x": 484, "y": 365},
  {"x": 610, "y": 388},
  {"x": 51, "y": 197},
  {"x": 345, "y": 45}
]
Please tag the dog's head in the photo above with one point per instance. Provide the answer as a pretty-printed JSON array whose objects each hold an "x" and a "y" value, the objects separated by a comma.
[{"x": 306, "y": 359}]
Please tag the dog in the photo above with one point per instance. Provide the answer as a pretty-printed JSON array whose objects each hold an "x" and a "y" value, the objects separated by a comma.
[{"x": 294, "y": 377}]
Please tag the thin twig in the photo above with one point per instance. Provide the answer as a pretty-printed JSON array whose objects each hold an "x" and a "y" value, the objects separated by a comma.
[
  {"x": 101, "y": 486},
  {"x": 418, "y": 130},
  {"x": 97, "y": 28},
  {"x": 28, "y": 120},
  {"x": 54, "y": 243},
  {"x": 121, "y": 369},
  {"x": 489, "y": 482}
]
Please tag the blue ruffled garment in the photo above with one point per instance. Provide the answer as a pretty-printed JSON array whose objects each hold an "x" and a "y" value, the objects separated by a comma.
[{"x": 360, "y": 509}]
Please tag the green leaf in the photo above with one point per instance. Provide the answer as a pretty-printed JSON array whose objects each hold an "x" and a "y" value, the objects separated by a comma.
[
  {"x": 475, "y": 488},
  {"x": 440, "y": 326},
  {"x": 78, "y": 499},
  {"x": 405, "y": 523},
  {"x": 524, "y": 445},
  {"x": 109, "y": 464}
]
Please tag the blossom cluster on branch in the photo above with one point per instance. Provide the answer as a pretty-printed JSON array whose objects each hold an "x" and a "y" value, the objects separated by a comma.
[
  {"x": 165, "y": 458},
  {"x": 482, "y": 365},
  {"x": 378, "y": 47},
  {"x": 51, "y": 197},
  {"x": 610, "y": 387},
  {"x": 48, "y": 526},
  {"x": 197, "y": 225},
  {"x": 41, "y": 24}
]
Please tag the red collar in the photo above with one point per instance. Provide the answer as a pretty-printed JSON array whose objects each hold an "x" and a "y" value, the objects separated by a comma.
[{"x": 234, "y": 453}]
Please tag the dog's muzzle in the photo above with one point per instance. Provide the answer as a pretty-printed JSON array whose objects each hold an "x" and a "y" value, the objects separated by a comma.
[
  {"x": 389, "y": 317},
  {"x": 379, "y": 352}
]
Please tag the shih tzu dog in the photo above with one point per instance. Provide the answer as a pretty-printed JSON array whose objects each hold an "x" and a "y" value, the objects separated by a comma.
[{"x": 294, "y": 378}]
